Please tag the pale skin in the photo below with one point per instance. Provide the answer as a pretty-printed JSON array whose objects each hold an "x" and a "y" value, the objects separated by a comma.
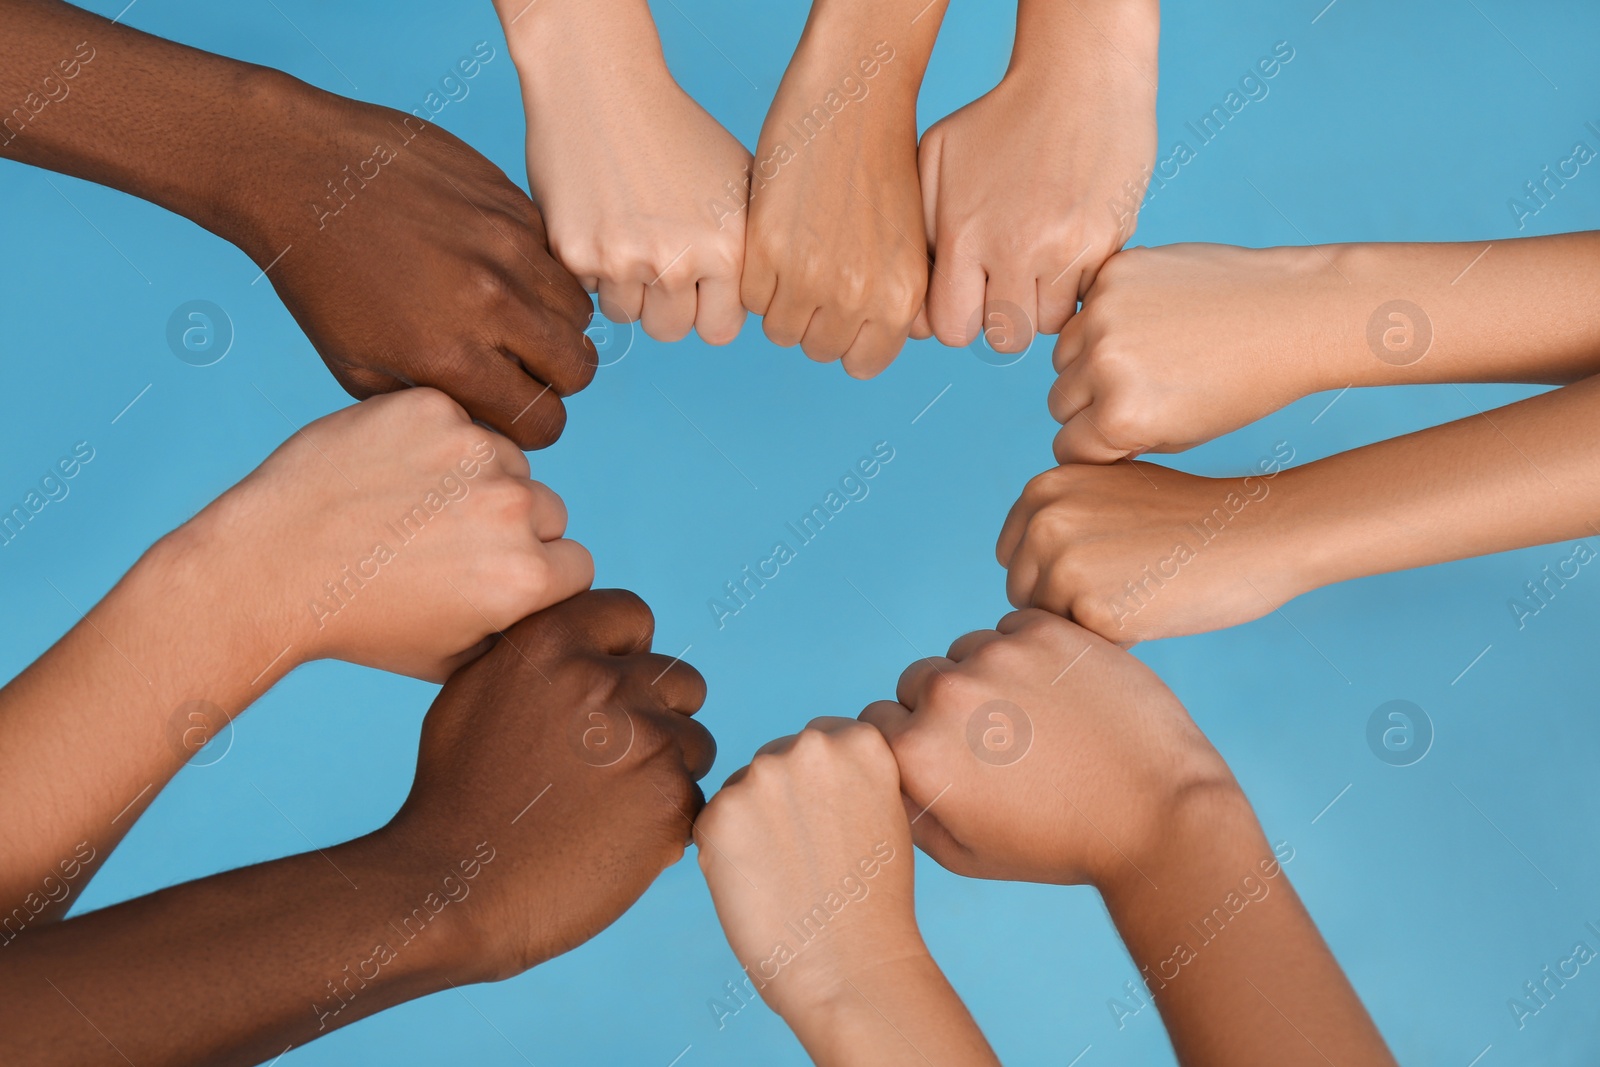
[
  {"x": 1029, "y": 188},
  {"x": 807, "y": 851},
  {"x": 836, "y": 257},
  {"x": 218, "y": 611},
  {"x": 1081, "y": 535},
  {"x": 1182, "y": 344},
  {"x": 519, "y": 841},
  {"x": 1116, "y": 788},
  {"x": 643, "y": 191}
]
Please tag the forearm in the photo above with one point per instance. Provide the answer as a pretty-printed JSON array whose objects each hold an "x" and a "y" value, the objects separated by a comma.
[
  {"x": 583, "y": 68},
  {"x": 237, "y": 967},
  {"x": 158, "y": 120},
  {"x": 1232, "y": 960},
  {"x": 1087, "y": 42},
  {"x": 902, "y": 1012},
  {"x": 1525, "y": 474},
  {"x": 841, "y": 35},
  {"x": 92, "y": 730},
  {"x": 1520, "y": 310},
  {"x": 579, "y": 33}
]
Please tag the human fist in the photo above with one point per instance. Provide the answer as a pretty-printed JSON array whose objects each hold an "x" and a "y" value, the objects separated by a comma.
[
  {"x": 657, "y": 229},
  {"x": 395, "y": 533},
  {"x": 564, "y": 762},
  {"x": 1027, "y": 190},
  {"x": 836, "y": 259},
  {"x": 808, "y": 855},
  {"x": 409, "y": 259},
  {"x": 1135, "y": 551},
  {"x": 1179, "y": 345},
  {"x": 1039, "y": 752}
]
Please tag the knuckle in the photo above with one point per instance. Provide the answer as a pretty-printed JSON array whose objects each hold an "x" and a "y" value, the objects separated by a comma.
[
  {"x": 528, "y": 575},
  {"x": 487, "y": 285},
  {"x": 1122, "y": 422}
]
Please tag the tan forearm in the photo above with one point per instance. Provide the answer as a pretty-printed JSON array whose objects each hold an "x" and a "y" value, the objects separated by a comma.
[
  {"x": 1525, "y": 474},
  {"x": 1226, "y": 949},
  {"x": 92, "y": 730}
]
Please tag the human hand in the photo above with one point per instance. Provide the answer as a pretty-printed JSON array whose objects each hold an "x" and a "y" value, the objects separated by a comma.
[
  {"x": 409, "y": 259},
  {"x": 657, "y": 230},
  {"x": 1136, "y": 551},
  {"x": 836, "y": 259},
  {"x": 1179, "y": 345},
  {"x": 565, "y": 761},
  {"x": 1039, "y": 752},
  {"x": 810, "y": 840},
  {"x": 394, "y": 533},
  {"x": 1029, "y": 188}
]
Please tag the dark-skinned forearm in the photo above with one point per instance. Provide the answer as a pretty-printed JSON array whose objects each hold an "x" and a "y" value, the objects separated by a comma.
[
  {"x": 234, "y": 968},
  {"x": 110, "y": 104}
]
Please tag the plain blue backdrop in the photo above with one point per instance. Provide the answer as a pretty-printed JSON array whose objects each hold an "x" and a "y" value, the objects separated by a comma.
[{"x": 1443, "y": 886}]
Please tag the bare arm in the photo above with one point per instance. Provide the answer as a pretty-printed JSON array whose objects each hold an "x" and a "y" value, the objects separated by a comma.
[
  {"x": 1181, "y": 344},
  {"x": 1057, "y": 758},
  {"x": 330, "y": 549},
  {"x": 469, "y": 882},
  {"x": 1136, "y": 551},
  {"x": 406, "y": 257},
  {"x": 836, "y": 256}
]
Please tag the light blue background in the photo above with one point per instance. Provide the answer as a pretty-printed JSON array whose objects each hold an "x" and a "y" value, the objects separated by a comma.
[{"x": 1413, "y": 121}]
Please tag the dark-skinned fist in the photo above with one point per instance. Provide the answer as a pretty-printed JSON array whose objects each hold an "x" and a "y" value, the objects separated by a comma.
[{"x": 562, "y": 767}]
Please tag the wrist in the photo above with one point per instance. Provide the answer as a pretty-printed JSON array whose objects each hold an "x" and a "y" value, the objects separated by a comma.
[
  {"x": 841, "y": 47},
  {"x": 429, "y": 920},
  {"x": 209, "y": 573},
  {"x": 834, "y": 1009},
  {"x": 1305, "y": 540},
  {"x": 553, "y": 43},
  {"x": 1207, "y": 829},
  {"x": 1097, "y": 38}
]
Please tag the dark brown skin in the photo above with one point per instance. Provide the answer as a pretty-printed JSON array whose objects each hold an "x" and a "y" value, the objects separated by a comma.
[
  {"x": 422, "y": 264},
  {"x": 234, "y": 968}
]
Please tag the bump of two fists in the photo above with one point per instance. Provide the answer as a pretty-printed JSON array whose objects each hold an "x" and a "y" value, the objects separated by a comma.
[{"x": 420, "y": 263}]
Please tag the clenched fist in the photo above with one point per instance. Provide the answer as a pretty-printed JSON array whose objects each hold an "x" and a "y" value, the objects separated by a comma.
[
  {"x": 395, "y": 533},
  {"x": 1039, "y": 752},
  {"x": 1135, "y": 551},
  {"x": 568, "y": 751}
]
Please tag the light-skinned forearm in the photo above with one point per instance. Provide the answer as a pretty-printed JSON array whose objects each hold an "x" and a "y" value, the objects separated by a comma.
[
  {"x": 1233, "y": 962},
  {"x": 1519, "y": 310},
  {"x": 92, "y": 730},
  {"x": 900, "y": 1012},
  {"x": 235, "y": 968},
  {"x": 578, "y": 34},
  {"x": 1520, "y": 475}
]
